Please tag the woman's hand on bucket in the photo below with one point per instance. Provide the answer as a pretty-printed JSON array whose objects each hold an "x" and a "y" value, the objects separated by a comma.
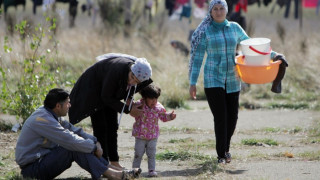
[{"x": 193, "y": 92}]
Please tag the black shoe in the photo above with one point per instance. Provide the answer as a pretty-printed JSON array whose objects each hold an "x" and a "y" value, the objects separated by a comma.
[
  {"x": 228, "y": 157},
  {"x": 221, "y": 160}
]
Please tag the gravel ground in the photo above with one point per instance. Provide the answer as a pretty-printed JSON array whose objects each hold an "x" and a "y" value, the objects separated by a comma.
[{"x": 250, "y": 162}]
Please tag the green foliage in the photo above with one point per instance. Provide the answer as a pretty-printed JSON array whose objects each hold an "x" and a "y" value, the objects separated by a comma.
[
  {"x": 210, "y": 165},
  {"x": 272, "y": 129},
  {"x": 111, "y": 12},
  {"x": 314, "y": 131},
  {"x": 36, "y": 79},
  {"x": 311, "y": 156},
  {"x": 256, "y": 142},
  {"x": 180, "y": 155},
  {"x": 174, "y": 102},
  {"x": 289, "y": 105},
  {"x": 12, "y": 175},
  {"x": 295, "y": 130},
  {"x": 185, "y": 140},
  {"x": 185, "y": 130},
  {"x": 4, "y": 126}
]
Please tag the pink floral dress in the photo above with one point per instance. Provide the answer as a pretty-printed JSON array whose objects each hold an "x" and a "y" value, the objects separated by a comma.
[{"x": 146, "y": 126}]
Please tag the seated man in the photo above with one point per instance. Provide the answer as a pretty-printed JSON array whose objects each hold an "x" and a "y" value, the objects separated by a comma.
[{"x": 48, "y": 145}]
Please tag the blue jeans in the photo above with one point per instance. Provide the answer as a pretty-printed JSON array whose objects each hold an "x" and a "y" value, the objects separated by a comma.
[{"x": 60, "y": 159}]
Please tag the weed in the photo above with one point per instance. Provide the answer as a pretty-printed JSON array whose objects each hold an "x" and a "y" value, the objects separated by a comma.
[
  {"x": 206, "y": 144},
  {"x": 315, "y": 140},
  {"x": 210, "y": 165},
  {"x": 311, "y": 156},
  {"x": 270, "y": 142},
  {"x": 10, "y": 21},
  {"x": 295, "y": 130},
  {"x": 85, "y": 125},
  {"x": 181, "y": 140},
  {"x": 22, "y": 98},
  {"x": 271, "y": 129},
  {"x": 289, "y": 105},
  {"x": 257, "y": 154},
  {"x": 256, "y": 142},
  {"x": 174, "y": 102},
  {"x": 315, "y": 130},
  {"x": 186, "y": 130},
  {"x": 4, "y": 126},
  {"x": 180, "y": 155},
  {"x": 13, "y": 175}
]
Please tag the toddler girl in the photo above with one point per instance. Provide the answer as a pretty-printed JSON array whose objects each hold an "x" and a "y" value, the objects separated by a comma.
[{"x": 146, "y": 128}]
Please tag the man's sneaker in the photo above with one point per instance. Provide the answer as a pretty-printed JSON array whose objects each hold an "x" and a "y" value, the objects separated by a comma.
[
  {"x": 153, "y": 173},
  {"x": 228, "y": 157},
  {"x": 221, "y": 160}
]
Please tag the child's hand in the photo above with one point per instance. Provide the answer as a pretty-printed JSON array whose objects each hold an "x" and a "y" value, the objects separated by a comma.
[{"x": 172, "y": 115}]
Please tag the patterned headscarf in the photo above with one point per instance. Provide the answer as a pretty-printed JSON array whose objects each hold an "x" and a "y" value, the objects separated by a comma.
[
  {"x": 196, "y": 36},
  {"x": 141, "y": 69}
]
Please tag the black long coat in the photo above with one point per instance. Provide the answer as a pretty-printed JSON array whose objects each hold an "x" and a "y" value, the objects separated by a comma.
[{"x": 103, "y": 84}]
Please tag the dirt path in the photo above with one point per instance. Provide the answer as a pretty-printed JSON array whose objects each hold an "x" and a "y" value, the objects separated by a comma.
[{"x": 250, "y": 162}]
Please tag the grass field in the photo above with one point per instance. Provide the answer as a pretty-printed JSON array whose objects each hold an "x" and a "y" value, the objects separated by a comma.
[
  {"x": 74, "y": 50},
  {"x": 77, "y": 48}
]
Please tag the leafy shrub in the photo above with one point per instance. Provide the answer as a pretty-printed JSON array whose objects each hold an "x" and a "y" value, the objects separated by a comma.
[
  {"x": 4, "y": 126},
  {"x": 37, "y": 77}
]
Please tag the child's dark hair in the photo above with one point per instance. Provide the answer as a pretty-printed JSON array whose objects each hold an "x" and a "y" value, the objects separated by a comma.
[
  {"x": 55, "y": 96},
  {"x": 151, "y": 91}
]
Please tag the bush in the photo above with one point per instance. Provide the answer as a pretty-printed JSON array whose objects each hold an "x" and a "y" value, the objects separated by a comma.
[{"x": 37, "y": 77}]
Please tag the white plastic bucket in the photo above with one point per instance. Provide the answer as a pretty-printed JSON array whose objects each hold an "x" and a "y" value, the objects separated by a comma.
[
  {"x": 262, "y": 60},
  {"x": 256, "y": 51}
]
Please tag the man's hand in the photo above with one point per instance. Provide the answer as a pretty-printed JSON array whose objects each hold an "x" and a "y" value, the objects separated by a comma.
[
  {"x": 193, "y": 92},
  {"x": 99, "y": 150},
  {"x": 136, "y": 110}
]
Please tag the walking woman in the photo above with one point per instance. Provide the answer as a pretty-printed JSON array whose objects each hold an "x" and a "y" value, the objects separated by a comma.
[{"x": 219, "y": 38}]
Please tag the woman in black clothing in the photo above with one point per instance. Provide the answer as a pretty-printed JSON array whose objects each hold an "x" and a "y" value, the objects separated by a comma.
[{"x": 98, "y": 94}]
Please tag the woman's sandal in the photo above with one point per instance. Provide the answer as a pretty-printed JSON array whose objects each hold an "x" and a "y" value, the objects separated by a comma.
[{"x": 131, "y": 174}]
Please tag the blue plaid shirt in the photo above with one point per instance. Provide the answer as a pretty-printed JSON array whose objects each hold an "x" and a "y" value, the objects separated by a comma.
[{"x": 219, "y": 41}]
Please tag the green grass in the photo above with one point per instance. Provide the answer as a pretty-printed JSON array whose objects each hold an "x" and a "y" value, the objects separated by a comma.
[
  {"x": 311, "y": 156},
  {"x": 180, "y": 155},
  {"x": 288, "y": 105},
  {"x": 13, "y": 175},
  {"x": 186, "y": 130},
  {"x": 272, "y": 129},
  {"x": 85, "y": 125},
  {"x": 314, "y": 131},
  {"x": 295, "y": 130},
  {"x": 185, "y": 140},
  {"x": 170, "y": 70},
  {"x": 210, "y": 165},
  {"x": 256, "y": 142},
  {"x": 5, "y": 126}
]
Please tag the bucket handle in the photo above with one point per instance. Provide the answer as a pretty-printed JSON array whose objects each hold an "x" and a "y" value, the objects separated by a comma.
[{"x": 259, "y": 52}]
